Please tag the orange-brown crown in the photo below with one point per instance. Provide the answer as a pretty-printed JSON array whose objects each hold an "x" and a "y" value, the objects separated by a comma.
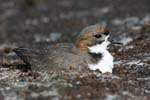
[{"x": 87, "y": 36}]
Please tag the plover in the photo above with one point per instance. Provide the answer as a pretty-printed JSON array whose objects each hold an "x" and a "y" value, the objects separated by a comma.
[{"x": 90, "y": 50}]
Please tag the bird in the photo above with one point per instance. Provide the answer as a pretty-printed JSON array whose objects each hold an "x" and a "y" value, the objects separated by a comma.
[{"x": 90, "y": 50}]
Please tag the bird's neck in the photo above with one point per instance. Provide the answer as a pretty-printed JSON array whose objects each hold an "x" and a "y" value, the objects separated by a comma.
[
  {"x": 99, "y": 48},
  {"x": 106, "y": 59},
  {"x": 82, "y": 45}
]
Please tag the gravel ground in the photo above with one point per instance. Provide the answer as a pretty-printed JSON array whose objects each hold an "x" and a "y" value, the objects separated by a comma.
[{"x": 38, "y": 23}]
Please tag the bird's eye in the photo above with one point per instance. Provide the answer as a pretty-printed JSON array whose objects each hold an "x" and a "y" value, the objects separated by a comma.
[
  {"x": 97, "y": 36},
  {"x": 106, "y": 33}
]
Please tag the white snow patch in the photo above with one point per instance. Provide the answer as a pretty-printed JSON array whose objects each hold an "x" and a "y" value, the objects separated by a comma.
[
  {"x": 144, "y": 79},
  {"x": 136, "y": 27},
  {"x": 117, "y": 22},
  {"x": 45, "y": 19},
  {"x": 39, "y": 38},
  {"x": 5, "y": 74},
  {"x": 131, "y": 21},
  {"x": 145, "y": 20},
  {"x": 125, "y": 40},
  {"x": 124, "y": 48},
  {"x": 147, "y": 91},
  {"x": 118, "y": 62},
  {"x": 79, "y": 96},
  {"x": 125, "y": 93},
  {"x": 12, "y": 96},
  {"x": 52, "y": 37},
  {"x": 129, "y": 47},
  {"x": 111, "y": 97},
  {"x": 105, "y": 9},
  {"x": 34, "y": 95},
  {"x": 53, "y": 92},
  {"x": 138, "y": 62},
  {"x": 31, "y": 22},
  {"x": 18, "y": 83}
]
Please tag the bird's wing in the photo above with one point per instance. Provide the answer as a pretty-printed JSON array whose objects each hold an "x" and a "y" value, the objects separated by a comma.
[
  {"x": 28, "y": 55},
  {"x": 53, "y": 57},
  {"x": 49, "y": 55}
]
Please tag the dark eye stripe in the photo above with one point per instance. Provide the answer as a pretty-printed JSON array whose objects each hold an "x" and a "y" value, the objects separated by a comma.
[
  {"x": 106, "y": 33},
  {"x": 97, "y": 36}
]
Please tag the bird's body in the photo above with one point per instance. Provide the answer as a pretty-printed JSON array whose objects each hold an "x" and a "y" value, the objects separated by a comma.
[
  {"x": 55, "y": 57},
  {"x": 66, "y": 56}
]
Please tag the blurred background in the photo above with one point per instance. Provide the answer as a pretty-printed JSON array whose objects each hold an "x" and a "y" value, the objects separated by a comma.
[
  {"x": 39, "y": 23},
  {"x": 26, "y": 23}
]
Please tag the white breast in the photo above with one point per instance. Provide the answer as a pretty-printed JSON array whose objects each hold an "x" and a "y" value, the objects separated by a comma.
[{"x": 106, "y": 63}]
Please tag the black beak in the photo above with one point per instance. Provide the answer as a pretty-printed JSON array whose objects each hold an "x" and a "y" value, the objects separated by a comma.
[{"x": 114, "y": 42}]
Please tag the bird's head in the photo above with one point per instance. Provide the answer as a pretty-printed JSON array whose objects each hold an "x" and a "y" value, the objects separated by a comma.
[{"x": 92, "y": 35}]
